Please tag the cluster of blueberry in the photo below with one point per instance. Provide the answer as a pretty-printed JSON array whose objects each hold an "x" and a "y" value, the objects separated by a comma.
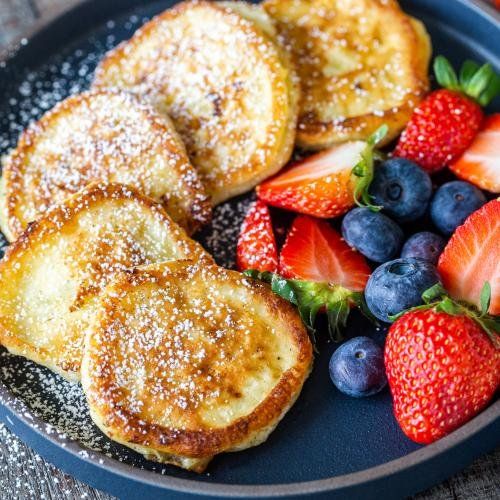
[{"x": 405, "y": 192}]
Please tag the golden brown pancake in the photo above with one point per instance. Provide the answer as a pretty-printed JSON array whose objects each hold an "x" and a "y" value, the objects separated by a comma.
[
  {"x": 229, "y": 88},
  {"x": 52, "y": 274},
  {"x": 362, "y": 63},
  {"x": 99, "y": 136},
  {"x": 187, "y": 360}
]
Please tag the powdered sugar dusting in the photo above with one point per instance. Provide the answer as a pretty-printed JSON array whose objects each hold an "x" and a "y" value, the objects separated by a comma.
[
  {"x": 35, "y": 390},
  {"x": 108, "y": 136},
  {"x": 33, "y": 92},
  {"x": 231, "y": 111}
]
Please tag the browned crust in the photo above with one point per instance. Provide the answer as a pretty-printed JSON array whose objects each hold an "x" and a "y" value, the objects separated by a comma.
[
  {"x": 315, "y": 134},
  {"x": 253, "y": 171},
  {"x": 93, "y": 193},
  {"x": 51, "y": 223},
  {"x": 199, "y": 208},
  {"x": 70, "y": 371},
  {"x": 207, "y": 442}
]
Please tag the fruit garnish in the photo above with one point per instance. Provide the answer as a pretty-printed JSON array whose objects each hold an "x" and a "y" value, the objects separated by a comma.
[
  {"x": 480, "y": 163},
  {"x": 472, "y": 256},
  {"x": 452, "y": 203},
  {"x": 424, "y": 245},
  {"x": 437, "y": 298},
  {"x": 402, "y": 188},
  {"x": 441, "y": 366},
  {"x": 445, "y": 123},
  {"x": 256, "y": 248},
  {"x": 310, "y": 297},
  {"x": 398, "y": 285},
  {"x": 357, "y": 368},
  {"x": 319, "y": 272},
  {"x": 314, "y": 251},
  {"x": 327, "y": 184},
  {"x": 373, "y": 234}
]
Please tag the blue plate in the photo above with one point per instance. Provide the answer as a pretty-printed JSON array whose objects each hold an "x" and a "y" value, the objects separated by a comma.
[{"x": 328, "y": 444}]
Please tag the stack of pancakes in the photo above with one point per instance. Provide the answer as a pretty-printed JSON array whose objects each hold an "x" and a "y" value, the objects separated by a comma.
[{"x": 181, "y": 359}]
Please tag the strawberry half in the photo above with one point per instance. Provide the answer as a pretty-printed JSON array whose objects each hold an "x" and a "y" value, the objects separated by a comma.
[
  {"x": 314, "y": 251},
  {"x": 327, "y": 184},
  {"x": 445, "y": 123},
  {"x": 256, "y": 248},
  {"x": 480, "y": 164},
  {"x": 472, "y": 256},
  {"x": 326, "y": 274},
  {"x": 441, "y": 366}
]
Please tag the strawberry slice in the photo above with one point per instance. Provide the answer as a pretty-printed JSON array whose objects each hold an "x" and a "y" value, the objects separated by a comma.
[
  {"x": 472, "y": 257},
  {"x": 256, "y": 248},
  {"x": 320, "y": 273},
  {"x": 327, "y": 184},
  {"x": 480, "y": 164},
  {"x": 314, "y": 251}
]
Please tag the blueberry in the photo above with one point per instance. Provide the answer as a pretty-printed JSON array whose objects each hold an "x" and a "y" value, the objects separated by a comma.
[
  {"x": 357, "y": 368},
  {"x": 402, "y": 188},
  {"x": 398, "y": 285},
  {"x": 424, "y": 245},
  {"x": 373, "y": 234},
  {"x": 453, "y": 203}
]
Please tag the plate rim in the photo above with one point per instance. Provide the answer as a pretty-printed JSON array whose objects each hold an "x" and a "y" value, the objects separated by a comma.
[{"x": 489, "y": 417}]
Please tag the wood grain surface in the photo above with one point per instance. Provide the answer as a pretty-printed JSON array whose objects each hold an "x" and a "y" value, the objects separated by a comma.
[{"x": 25, "y": 475}]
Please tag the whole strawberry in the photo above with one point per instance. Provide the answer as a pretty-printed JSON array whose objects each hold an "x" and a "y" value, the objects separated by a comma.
[
  {"x": 441, "y": 367},
  {"x": 445, "y": 123}
]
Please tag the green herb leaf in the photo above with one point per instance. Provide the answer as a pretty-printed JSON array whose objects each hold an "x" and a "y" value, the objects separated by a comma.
[
  {"x": 445, "y": 74},
  {"x": 485, "y": 298}
]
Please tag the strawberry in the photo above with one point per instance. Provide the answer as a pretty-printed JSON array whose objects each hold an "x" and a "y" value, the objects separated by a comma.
[
  {"x": 480, "y": 164},
  {"x": 326, "y": 275},
  {"x": 327, "y": 184},
  {"x": 472, "y": 256},
  {"x": 256, "y": 248},
  {"x": 314, "y": 251},
  {"x": 445, "y": 123},
  {"x": 441, "y": 367}
]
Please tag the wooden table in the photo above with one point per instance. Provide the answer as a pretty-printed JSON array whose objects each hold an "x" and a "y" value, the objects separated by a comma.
[{"x": 25, "y": 475}]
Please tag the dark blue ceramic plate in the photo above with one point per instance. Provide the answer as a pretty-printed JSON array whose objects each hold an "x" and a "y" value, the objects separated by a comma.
[{"x": 328, "y": 445}]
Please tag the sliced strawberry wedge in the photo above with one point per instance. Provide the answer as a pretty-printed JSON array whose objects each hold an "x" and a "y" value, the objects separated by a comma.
[
  {"x": 256, "y": 248},
  {"x": 472, "y": 257},
  {"x": 314, "y": 251},
  {"x": 322, "y": 185},
  {"x": 480, "y": 164}
]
